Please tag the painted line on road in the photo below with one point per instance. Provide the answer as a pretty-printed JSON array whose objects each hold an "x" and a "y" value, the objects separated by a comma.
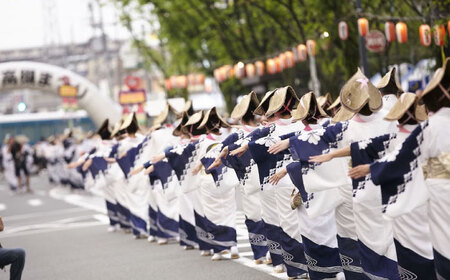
[
  {"x": 35, "y": 202},
  {"x": 2, "y": 206},
  {"x": 44, "y": 213}
]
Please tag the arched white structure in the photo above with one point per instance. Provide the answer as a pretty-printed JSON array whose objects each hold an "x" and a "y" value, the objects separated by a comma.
[{"x": 48, "y": 78}]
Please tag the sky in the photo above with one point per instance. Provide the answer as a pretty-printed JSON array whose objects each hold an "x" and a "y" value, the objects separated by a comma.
[{"x": 23, "y": 24}]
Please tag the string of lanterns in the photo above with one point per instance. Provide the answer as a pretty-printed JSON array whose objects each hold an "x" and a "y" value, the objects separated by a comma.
[
  {"x": 183, "y": 81},
  {"x": 399, "y": 32},
  {"x": 272, "y": 65}
]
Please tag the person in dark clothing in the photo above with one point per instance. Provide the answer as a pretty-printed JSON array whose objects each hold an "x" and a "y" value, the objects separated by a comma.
[
  {"x": 19, "y": 158},
  {"x": 14, "y": 257}
]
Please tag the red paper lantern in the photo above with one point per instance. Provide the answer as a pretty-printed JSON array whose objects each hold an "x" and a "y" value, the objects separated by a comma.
[
  {"x": 302, "y": 52},
  {"x": 389, "y": 31},
  {"x": 290, "y": 61},
  {"x": 343, "y": 30},
  {"x": 401, "y": 30},
  {"x": 311, "y": 45},
  {"x": 363, "y": 26},
  {"x": 282, "y": 58},
  {"x": 182, "y": 81},
  {"x": 425, "y": 34},
  {"x": 250, "y": 70},
  {"x": 199, "y": 79},
  {"x": 448, "y": 27},
  {"x": 191, "y": 79},
  {"x": 439, "y": 34},
  {"x": 259, "y": 68},
  {"x": 278, "y": 64},
  {"x": 271, "y": 66},
  {"x": 168, "y": 83},
  {"x": 239, "y": 70},
  {"x": 173, "y": 81}
]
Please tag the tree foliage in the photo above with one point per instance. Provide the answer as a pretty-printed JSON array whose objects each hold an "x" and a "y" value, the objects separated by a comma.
[{"x": 201, "y": 35}]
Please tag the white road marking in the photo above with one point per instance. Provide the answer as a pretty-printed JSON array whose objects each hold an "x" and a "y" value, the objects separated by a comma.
[
  {"x": 2, "y": 206},
  {"x": 44, "y": 213},
  {"x": 35, "y": 202}
]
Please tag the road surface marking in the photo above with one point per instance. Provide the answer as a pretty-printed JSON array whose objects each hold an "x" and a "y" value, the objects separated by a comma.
[
  {"x": 2, "y": 206},
  {"x": 35, "y": 202}
]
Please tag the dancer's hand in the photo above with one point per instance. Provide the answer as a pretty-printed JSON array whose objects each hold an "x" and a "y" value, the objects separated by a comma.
[
  {"x": 239, "y": 151},
  {"x": 275, "y": 178},
  {"x": 197, "y": 168},
  {"x": 158, "y": 158},
  {"x": 136, "y": 170},
  {"x": 321, "y": 158},
  {"x": 86, "y": 164},
  {"x": 110, "y": 160},
  {"x": 359, "y": 171},
  {"x": 149, "y": 170},
  {"x": 279, "y": 146}
]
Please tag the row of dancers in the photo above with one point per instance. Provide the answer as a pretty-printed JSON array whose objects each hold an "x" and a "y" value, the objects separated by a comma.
[{"x": 358, "y": 188}]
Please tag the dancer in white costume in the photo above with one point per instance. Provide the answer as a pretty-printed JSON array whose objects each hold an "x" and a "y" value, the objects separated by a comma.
[
  {"x": 316, "y": 213},
  {"x": 410, "y": 228},
  {"x": 247, "y": 173},
  {"x": 8, "y": 163},
  {"x": 218, "y": 197}
]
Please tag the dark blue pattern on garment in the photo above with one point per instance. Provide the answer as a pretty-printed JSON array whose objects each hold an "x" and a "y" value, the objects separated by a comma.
[
  {"x": 394, "y": 174},
  {"x": 179, "y": 162},
  {"x": 412, "y": 265}
]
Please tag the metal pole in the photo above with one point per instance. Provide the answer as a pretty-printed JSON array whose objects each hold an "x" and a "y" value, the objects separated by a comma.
[
  {"x": 362, "y": 44},
  {"x": 314, "y": 79}
]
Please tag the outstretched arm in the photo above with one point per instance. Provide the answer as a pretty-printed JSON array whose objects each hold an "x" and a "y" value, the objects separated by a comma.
[
  {"x": 344, "y": 152},
  {"x": 218, "y": 161},
  {"x": 275, "y": 178},
  {"x": 136, "y": 170},
  {"x": 158, "y": 158},
  {"x": 86, "y": 164},
  {"x": 279, "y": 146},
  {"x": 359, "y": 171},
  {"x": 149, "y": 170},
  {"x": 239, "y": 151}
]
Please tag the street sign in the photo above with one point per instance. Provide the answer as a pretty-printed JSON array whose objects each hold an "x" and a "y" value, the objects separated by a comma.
[
  {"x": 375, "y": 41},
  {"x": 132, "y": 97}
]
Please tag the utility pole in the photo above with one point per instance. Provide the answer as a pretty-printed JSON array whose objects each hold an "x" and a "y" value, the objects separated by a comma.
[{"x": 362, "y": 44}]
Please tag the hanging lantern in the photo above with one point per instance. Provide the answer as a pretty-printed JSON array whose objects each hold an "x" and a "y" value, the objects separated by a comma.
[
  {"x": 389, "y": 31},
  {"x": 448, "y": 27},
  {"x": 290, "y": 61},
  {"x": 199, "y": 79},
  {"x": 250, "y": 70},
  {"x": 222, "y": 73},
  {"x": 239, "y": 70},
  {"x": 302, "y": 52},
  {"x": 173, "y": 81},
  {"x": 401, "y": 30},
  {"x": 168, "y": 84},
  {"x": 425, "y": 34},
  {"x": 271, "y": 66},
  {"x": 439, "y": 34},
  {"x": 363, "y": 26},
  {"x": 343, "y": 30},
  {"x": 311, "y": 45},
  {"x": 182, "y": 81},
  {"x": 259, "y": 68},
  {"x": 227, "y": 71},
  {"x": 282, "y": 58},
  {"x": 191, "y": 79},
  {"x": 278, "y": 64}
]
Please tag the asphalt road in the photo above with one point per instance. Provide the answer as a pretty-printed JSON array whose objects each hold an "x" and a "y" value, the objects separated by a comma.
[{"x": 64, "y": 241}]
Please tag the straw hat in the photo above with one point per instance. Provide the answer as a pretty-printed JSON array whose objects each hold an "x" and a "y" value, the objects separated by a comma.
[
  {"x": 181, "y": 122},
  {"x": 403, "y": 104},
  {"x": 336, "y": 103},
  {"x": 323, "y": 99},
  {"x": 247, "y": 103},
  {"x": 306, "y": 102},
  {"x": 264, "y": 104},
  {"x": 389, "y": 83},
  {"x": 211, "y": 116},
  {"x": 129, "y": 120},
  {"x": 116, "y": 128},
  {"x": 192, "y": 122},
  {"x": 440, "y": 77},
  {"x": 280, "y": 98},
  {"x": 188, "y": 108},
  {"x": 357, "y": 92},
  {"x": 22, "y": 139},
  {"x": 104, "y": 131}
]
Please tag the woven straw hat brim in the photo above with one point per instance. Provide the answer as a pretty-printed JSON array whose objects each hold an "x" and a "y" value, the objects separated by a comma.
[
  {"x": 389, "y": 81},
  {"x": 128, "y": 120},
  {"x": 439, "y": 75},
  {"x": 195, "y": 118},
  {"x": 336, "y": 103},
  {"x": 420, "y": 112},
  {"x": 343, "y": 115},
  {"x": 404, "y": 102},
  {"x": 116, "y": 128},
  {"x": 208, "y": 116},
  {"x": 307, "y": 100},
  {"x": 358, "y": 91},
  {"x": 105, "y": 125},
  {"x": 322, "y": 100},
  {"x": 279, "y": 98},
  {"x": 265, "y": 101},
  {"x": 247, "y": 102}
]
